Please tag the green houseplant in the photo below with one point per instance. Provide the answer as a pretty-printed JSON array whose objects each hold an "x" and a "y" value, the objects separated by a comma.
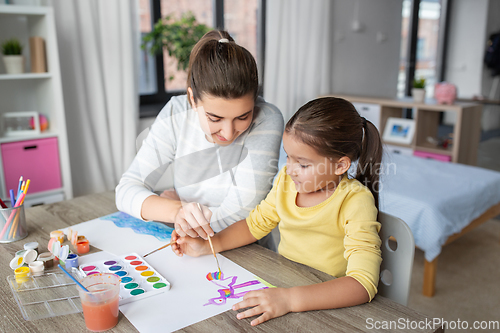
[
  {"x": 12, "y": 50},
  {"x": 12, "y": 47},
  {"x": 177, "y": 36},
  {"x": 418, "y": 91},
  {"x": 419, "y": 83}
]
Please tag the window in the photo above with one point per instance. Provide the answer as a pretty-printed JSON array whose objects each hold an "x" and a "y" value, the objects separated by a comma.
[
  {"x": 240, "y": 19},
  {"x": 147, "y": 80},
  {"x": 159, "y": 78},
  {"x": 175, "y": 80},
  {"x": 422, "y": 44}
]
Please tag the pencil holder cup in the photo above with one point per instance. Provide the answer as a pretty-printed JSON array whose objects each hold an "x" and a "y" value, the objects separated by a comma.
[{"x": 12, "y": 224}]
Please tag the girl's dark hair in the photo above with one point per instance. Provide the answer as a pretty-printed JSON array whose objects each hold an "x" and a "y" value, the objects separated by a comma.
[
  {"x": 334, "y": 128},
  {"x": 221, "y": 69}
]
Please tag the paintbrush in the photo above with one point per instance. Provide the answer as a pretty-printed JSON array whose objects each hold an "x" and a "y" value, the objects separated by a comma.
[
  {"x": 211, "y": 246},
  {"x": 158, "y": 249}
]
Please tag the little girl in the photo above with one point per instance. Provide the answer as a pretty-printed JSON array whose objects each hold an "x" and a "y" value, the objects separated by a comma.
[{"x": 326, "y": 220}]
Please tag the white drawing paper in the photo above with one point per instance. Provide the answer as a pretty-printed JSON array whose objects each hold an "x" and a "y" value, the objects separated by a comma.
[{"x": 193, "y": 297}]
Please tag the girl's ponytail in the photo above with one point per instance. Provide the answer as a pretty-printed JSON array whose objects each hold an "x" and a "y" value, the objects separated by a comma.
[{"x": 370, "y": 159}]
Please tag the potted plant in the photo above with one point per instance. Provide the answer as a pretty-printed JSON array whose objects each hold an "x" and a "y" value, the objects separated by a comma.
[
  {"x": 176, "y": 36},
  {"x": 12, "y": 56},
  {"x": 418, "y": 91}
]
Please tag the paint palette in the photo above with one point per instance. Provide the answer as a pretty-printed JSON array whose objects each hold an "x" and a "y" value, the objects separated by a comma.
[{"x": 138, "y": 279}]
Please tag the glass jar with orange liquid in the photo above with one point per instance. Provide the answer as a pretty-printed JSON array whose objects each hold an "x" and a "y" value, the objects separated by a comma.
[{"x": 100, "y": 304}]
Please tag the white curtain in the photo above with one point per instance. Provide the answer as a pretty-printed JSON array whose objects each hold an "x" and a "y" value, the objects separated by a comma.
[
  {"x": 98, "y": 49},
  {"x": 298, "y": 64}
]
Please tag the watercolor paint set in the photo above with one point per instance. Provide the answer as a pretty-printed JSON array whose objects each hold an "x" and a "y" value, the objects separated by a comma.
[{"x": 138, "y": 279}]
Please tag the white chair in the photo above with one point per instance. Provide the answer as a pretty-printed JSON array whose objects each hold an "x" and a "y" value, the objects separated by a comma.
[{"x": 398, "y": 249}]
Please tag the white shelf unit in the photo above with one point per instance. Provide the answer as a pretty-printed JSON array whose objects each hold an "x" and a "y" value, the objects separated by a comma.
[
  {"x": 41, "y": 92},
  {"x": 466, "y": 131}
]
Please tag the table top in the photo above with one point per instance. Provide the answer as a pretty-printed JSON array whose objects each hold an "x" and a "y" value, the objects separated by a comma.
[{"x": 264, "y": 263}]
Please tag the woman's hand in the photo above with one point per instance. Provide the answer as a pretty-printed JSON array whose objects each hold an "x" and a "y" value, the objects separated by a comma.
[
  {"x": 192, "y": 220},
  {"x": 193, "y": 247},
  {"x": 170, "y": 194},
  {"x": 271, "y": 303}
]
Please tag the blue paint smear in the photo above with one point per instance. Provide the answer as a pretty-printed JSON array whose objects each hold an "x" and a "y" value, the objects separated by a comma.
[{"x": 156, "y": 229}]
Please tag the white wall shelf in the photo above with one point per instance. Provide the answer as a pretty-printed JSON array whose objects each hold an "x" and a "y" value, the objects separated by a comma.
[
  {"x": 23, "y": 10},
  {"x": 25, "y": 76},
  {"x": 40, "y": 92},
  {"x": 43, "y": 135}
]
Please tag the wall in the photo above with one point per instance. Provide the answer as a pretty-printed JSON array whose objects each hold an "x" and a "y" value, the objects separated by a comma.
[
  {"x": 361, "y": 64},
  {"x": 492, "y": 26},
  {"x": 466, "y": 44},
  {"x": 471, "y": 23},
  {"x": 491, "y": 113}
]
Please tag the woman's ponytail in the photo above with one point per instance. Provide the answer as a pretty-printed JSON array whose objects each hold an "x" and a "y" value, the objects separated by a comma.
[{"x": 219, "y": 67}]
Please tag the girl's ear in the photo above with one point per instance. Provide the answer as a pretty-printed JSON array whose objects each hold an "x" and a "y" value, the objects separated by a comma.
[
  {"x": 343, "y": 164},
  {"x": 191, "y": 97}
]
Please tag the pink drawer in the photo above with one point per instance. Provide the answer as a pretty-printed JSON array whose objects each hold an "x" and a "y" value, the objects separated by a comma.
[
  {"x": 37, "y": 160},
  {"x": 439, "y": 157}
]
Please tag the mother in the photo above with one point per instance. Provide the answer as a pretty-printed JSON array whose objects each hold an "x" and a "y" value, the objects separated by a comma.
[{"x": 222, "y": 139}]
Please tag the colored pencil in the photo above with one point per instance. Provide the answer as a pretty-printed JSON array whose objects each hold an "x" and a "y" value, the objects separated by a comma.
[
  {"x": 28, "y": 182},
  {"x": 13, "y": 229},
  {"x": 12, "y": 199},
  {"x": 19, "y": 186},
  {"x": 25, "y": 190},
  {"x": 22, "y": 201},
  {"x": 18, "y": 202},
  {"x": 3, "y": 204},
  {"x": 10, "y": 230},
  {"x": 16, "y": 218}
]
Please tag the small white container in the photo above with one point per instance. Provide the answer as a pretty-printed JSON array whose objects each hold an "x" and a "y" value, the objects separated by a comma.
[
  {"x": 30, "y": 256},
  {"x": 17, "y": 262},
  {"x": 31, "y": 246},
  {"x": 36, "y": 267}
]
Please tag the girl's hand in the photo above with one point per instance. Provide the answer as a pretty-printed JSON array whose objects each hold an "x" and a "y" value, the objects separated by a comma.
[
  {"x": 193, "y": 222},
  {"x": 193, "y": 247},
  {"x": 271, "y": 303}
]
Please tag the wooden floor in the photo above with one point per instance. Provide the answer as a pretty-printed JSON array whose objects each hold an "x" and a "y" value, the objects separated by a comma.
[
  {"x": 431, "y": 268},
  {"x": 467, "y": 285}
]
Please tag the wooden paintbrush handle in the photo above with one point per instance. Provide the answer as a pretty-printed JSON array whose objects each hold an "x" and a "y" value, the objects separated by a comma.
[{"x": 158, "y": 249}]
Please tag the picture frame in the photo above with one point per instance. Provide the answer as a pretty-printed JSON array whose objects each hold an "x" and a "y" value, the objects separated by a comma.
[
  {"x": 399, "y": 130},
  {"x": 20, "y": 123}
]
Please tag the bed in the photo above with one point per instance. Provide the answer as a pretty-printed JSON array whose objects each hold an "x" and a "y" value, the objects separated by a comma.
[{"x": 439, "y": 201}]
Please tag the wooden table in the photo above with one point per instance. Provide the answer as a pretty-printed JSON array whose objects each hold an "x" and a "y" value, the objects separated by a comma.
[{"x": 270, "y": 266}]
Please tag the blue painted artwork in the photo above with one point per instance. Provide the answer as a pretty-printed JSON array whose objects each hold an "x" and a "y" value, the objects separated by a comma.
[{"x": 156, "y": 229}]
